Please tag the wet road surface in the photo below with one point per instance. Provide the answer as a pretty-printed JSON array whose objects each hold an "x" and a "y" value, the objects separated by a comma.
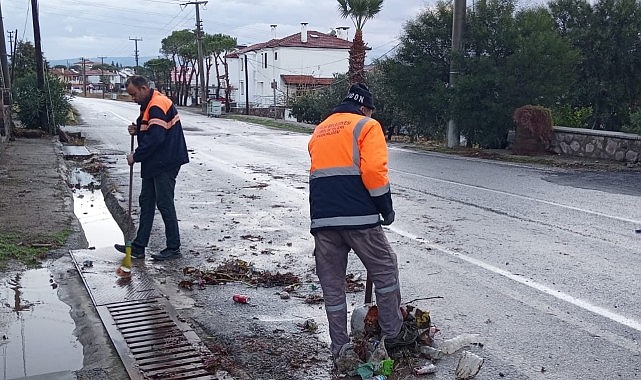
[{"x": 541, "y": 263}]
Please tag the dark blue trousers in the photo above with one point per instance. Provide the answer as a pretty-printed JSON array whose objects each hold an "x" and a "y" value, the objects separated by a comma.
[{"x": 158, "y": 192}]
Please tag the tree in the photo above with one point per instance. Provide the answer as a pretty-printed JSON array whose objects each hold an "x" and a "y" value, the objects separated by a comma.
[
  {"x": 189, "y": 54},
  {"x": 511, "y": 59},
  {"x": 217, "y": 46},
  {"x": 359, "y": 11},
  {"x": 314, "y": 105},
  {"x": 174, "y": 46},
  {"x": 103, "y": 66},
  {"x": 389, "y": 110},
  {"x": 609, "y": 73},
  {"x": 159, "y": 70},
  {"x": 24, "y": 59},
  {"x": 30, "y": 100},
  {"x": 416, "y": 76}
]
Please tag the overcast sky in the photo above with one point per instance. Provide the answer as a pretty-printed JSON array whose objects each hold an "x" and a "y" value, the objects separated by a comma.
[{"x": 71, "y": 29}]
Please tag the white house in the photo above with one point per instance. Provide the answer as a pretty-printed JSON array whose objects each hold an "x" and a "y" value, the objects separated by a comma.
[{"x": 288, "y": 65}]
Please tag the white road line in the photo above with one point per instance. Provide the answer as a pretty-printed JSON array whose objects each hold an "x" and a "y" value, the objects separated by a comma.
[
  {"x": 629, "y": 322},
  {"x": 120, "y": 117},
  {"x": 549, "y": 203}
]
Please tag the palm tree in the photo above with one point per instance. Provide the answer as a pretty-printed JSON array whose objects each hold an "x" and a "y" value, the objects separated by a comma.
[{"x": 359, "y": 11}]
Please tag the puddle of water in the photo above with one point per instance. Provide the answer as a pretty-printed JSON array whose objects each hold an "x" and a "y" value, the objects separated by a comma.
[
  {"x": 100, "y": 229},
  {"x": 38, "y": 338}
]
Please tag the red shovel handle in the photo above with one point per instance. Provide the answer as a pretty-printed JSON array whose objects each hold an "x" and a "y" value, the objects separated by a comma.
[{"x": 368, "y": 290}]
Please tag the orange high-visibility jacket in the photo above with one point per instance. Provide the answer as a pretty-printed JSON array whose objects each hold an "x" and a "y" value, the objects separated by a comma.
[
  {"x": 161, "y": 142},
  {"x": 348, "y": 183}
]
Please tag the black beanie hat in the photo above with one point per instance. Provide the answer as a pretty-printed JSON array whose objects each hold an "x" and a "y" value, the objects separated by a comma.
[{"x": 359, "y": 94}]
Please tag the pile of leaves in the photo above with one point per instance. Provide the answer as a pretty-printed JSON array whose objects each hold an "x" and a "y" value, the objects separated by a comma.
[{"x": 235, "y": 271}]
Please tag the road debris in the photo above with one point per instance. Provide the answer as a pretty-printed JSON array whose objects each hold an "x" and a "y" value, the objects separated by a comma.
[
  {"x": 426, "y": 369},
  {"x": 468, "y": 366},
  {"x": 240, "y": 298},
  {"x": 309, "y": 326},
  {"x": 236, "y": 271},
  {"x": 452, "y": 345},
  {"x": 409, "y": 359},
  {"x": 284, "y": 295}
]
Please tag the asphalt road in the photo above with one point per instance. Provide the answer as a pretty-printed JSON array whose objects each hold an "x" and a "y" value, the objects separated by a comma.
[{"x": 542, "y": 263}]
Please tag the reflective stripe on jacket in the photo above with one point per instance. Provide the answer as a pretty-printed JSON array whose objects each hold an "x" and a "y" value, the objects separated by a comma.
[
  {"x": 161, "y": 142},
  {"x": 348, "y": 183}
]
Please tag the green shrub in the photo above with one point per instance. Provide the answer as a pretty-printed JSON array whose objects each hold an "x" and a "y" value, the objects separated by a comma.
[
  {"x": 572, "y": 117},
  {"x": 635, "y": 123},
  {"x": 30, "y": 101},
  {"x": 306, "y": 108}
]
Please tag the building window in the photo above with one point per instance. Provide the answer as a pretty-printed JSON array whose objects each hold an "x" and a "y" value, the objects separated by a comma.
[
  {"x": 275, "y": 56},
  {"x": 265, "y": 60},
  {"x": 242, "y": 87}
]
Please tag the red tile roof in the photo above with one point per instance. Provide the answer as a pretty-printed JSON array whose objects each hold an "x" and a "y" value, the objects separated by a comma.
[
  {"x": 314, "y": 40},
  {"x": 306, "y": 80}
]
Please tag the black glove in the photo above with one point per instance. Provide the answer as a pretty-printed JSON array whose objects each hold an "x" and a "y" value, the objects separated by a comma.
[{"x": 388, "y": 219}]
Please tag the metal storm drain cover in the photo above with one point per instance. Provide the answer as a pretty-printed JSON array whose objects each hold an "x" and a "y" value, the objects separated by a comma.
[{"x": 153, "y": 343}]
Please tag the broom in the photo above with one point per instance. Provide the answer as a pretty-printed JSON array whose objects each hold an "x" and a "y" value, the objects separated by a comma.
[{"x": 124, "y": 270}]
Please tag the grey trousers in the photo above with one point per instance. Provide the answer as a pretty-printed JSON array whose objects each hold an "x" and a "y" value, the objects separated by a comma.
[{"x": 374, "y": 251}]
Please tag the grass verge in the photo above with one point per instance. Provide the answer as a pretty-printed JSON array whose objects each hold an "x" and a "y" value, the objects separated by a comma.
[
  {"x": 29, "y": 250},
  {"x": 505, "y": 155},
  {"x": 271, "y": 123}
]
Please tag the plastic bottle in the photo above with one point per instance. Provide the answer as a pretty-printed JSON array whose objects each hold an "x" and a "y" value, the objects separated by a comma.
[
  {"x": 450, "y": 346},
  {"x": 378, "y": 377},
  {"x": 380, "y": 353},
  {"x": 431, "y": 352},
  {"x": 426, "y": 369}
]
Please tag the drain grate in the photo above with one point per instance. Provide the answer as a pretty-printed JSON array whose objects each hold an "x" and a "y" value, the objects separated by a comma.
[
  {"x": 159, "y": 347},
  {"x": 150, "y": 338}
]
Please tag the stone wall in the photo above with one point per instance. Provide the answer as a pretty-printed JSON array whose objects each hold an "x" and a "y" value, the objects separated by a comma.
[
  {"x": 616, "y": 146},
  {"x": 262, "y": 111}
]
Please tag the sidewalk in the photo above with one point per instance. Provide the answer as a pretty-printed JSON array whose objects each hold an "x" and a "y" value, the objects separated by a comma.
[{"x": 36, "y": 202}]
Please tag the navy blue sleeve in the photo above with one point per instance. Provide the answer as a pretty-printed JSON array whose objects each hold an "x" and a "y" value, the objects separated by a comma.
[{"x": 152, "y": 138}]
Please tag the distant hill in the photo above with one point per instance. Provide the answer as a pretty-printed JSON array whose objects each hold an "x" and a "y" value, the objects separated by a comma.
[{"x": 124, "y": 61}]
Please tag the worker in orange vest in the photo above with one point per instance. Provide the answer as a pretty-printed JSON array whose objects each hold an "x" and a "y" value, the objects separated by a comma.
[{"x": 350, "y": 199}]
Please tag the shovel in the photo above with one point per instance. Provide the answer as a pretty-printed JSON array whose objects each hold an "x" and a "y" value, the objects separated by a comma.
[{"x": 124, "y": 270}]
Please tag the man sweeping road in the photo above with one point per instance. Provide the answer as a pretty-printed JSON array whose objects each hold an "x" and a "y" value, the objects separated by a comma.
[{"x": 161, "y": 152}]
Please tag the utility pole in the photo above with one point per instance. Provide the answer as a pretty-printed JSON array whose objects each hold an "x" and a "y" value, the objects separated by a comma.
[
  {"x": 246, "y": 88},
  {"x": 5, "y": 95},
  {"x": 84, "y": 77},
  {"x": 102, "y": 75},
  {"x": 13, "y": 57},
  {"x": 453, "y": 135},
  {"x": 199, "y": 41},
  {"x": 10, "y": 34},
  {"x": 40, "y": 70},
  {"x": 135, "y": 39},
  {"x": 4, "y": 63}
]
